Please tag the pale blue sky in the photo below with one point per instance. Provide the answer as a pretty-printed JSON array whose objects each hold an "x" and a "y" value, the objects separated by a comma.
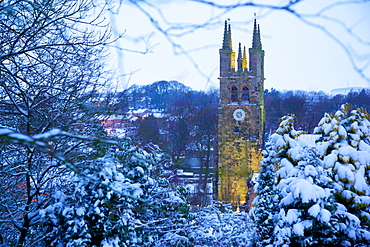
[{"x": 297, "y": 56}]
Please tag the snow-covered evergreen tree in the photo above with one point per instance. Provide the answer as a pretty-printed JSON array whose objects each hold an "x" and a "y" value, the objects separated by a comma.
[
  {"x": 211, "y": 226},
  {"x": 265, "y": 203},
  {"x": 344, "y": 147},
  {"x": 305, "y": 192},
  {"x": 115, "y": 202}
]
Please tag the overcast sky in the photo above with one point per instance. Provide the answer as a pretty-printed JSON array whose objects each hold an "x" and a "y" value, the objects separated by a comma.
[{"x": 297, "y": 56}]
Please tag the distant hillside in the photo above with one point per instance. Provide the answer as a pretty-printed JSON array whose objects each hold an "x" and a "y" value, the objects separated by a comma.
[
  {"x": 347, "y": 90},
  {"x": 161, "y": 95}
]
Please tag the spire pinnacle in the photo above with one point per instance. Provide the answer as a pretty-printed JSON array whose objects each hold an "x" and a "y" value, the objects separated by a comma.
[
  {"x": 244, "y": 61},
  {"x": 256, "y": 42},
  {"x": 259, "y": 37},
  {"x": 230, "y": 42},
  {"x": 225, "y": 42},
  {"x": 240, "y": 58}
]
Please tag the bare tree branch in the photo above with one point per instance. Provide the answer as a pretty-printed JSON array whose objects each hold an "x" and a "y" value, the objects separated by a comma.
[{"x": 172, "y": 31}]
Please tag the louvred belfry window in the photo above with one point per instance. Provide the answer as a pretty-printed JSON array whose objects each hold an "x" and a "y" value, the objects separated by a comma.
[
  {"x": 234, "y": 94},
  {"x": 245, "y": 94}
]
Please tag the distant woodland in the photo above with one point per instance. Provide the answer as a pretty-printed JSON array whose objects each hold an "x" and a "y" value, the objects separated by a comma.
[
  {"x": 308, "y": 107},
  {"x": 175, "y": 98}
]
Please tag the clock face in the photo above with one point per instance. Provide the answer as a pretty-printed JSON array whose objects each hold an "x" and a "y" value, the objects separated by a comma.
[{"x": 239, "y": 114}]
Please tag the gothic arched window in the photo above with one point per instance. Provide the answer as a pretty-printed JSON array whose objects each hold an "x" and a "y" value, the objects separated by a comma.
[
  {"x": 234, "y": 94},
  {"x": 245, "y": 94}
]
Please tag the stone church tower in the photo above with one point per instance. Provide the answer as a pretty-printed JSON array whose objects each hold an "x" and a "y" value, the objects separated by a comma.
[{"x": 240, "y": 118}]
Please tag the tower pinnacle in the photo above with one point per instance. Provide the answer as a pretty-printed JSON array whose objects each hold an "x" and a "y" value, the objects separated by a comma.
[
  {"x": 256, "y": 42},
  {"x": 240, "y": 58},
  {"x": 227, "y": 56},
  {"x": 225, "y": 42},
  {"x": 229, "y": 33},
  {"x": 244, "y": 61}
]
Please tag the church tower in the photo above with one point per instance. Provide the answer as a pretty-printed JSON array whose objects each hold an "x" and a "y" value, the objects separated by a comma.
[{"x": 240, "y": 118}]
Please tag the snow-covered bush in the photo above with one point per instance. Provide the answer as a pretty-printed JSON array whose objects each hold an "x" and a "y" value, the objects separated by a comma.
[
  {"x": 211, "y": 227},
  {"x": 305, "y": 212},
  {"x": 265, "y": 203},
  {"x": 323, "y": 190},
  {"x": 307, "y": 207},
  {"x": 344, "y": 147},
  {"x": 114, "y": 201}
]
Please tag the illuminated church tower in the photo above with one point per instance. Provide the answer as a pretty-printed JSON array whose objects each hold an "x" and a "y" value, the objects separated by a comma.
[{"x": 240, "y": 118}]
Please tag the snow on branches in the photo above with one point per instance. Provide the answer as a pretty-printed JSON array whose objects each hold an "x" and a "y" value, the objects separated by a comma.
[
  {"x": 344, "y": 148},
  {"x": 114, "y": 202},
  {"x": 321, "y": 192}
]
